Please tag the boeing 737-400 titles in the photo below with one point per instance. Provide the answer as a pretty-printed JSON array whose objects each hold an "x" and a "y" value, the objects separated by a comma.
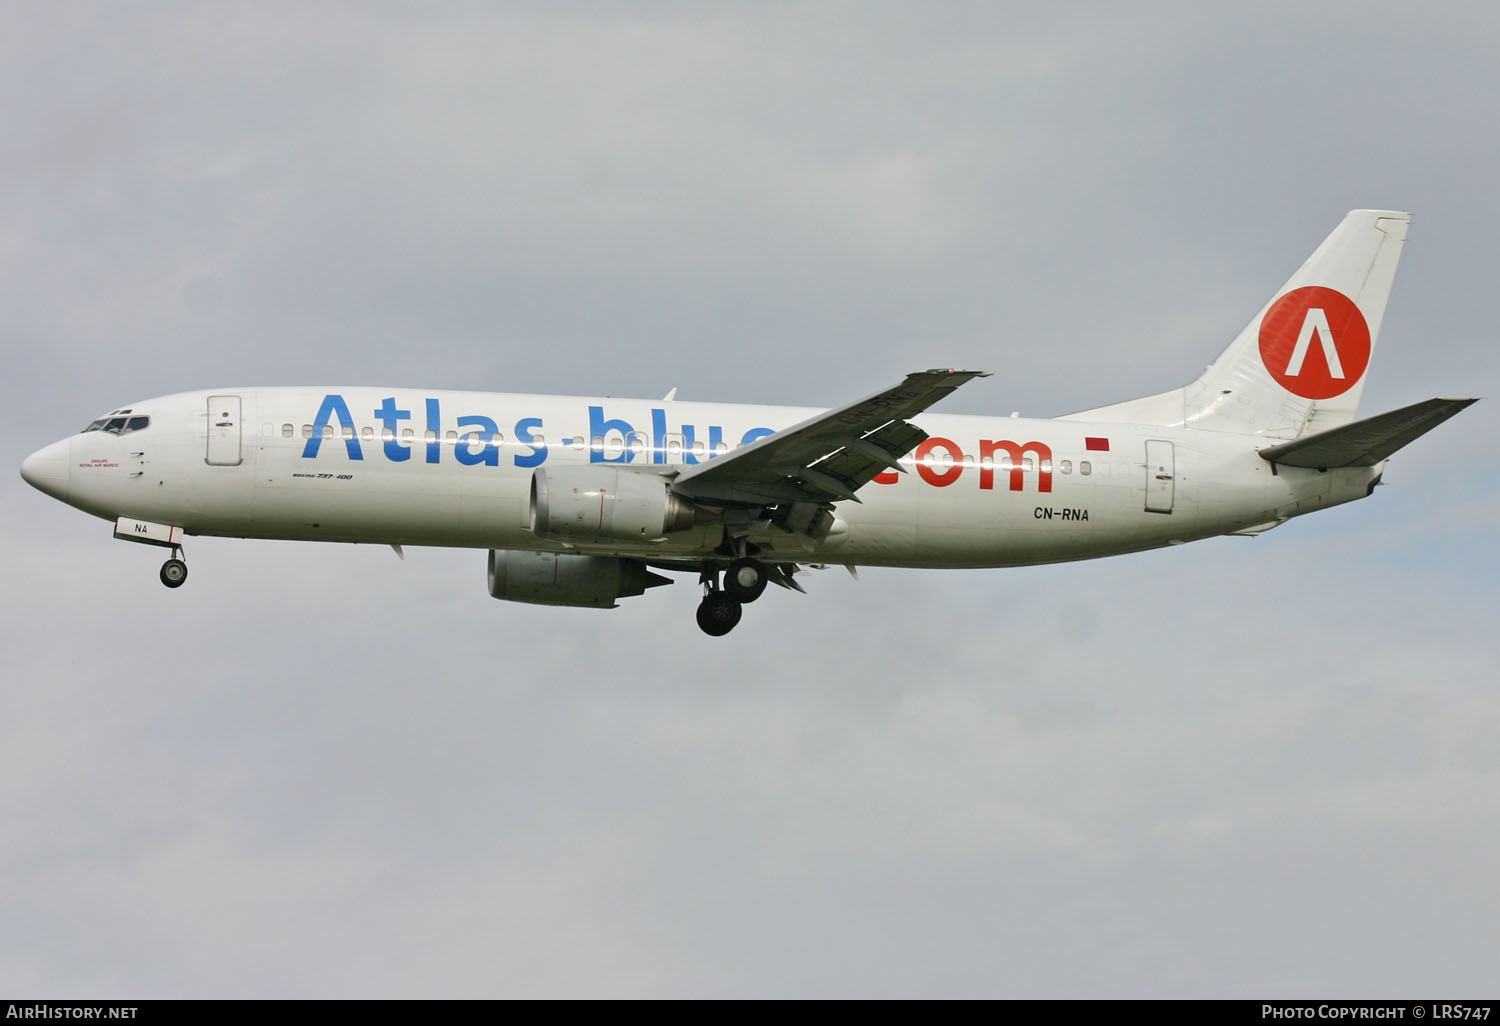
[{"x": 584, "y": 501}]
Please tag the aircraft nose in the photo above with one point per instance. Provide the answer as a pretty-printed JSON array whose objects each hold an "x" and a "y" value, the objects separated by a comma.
[{"x": 47, "y": 470}]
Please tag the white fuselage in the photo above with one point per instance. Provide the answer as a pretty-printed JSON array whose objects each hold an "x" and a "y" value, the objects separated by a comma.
[{"x": 447, "y": 468}]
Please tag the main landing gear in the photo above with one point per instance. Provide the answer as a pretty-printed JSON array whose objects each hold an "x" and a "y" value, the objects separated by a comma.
[
  {"x": 746, "y": 579},
  {"x": 174, "y": 570},
  {"x": 718, "y": 613},
  {"x": 720, "y": 610}
]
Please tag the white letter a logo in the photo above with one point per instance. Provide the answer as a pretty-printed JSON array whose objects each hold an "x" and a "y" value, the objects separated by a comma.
[{"x": 1316, "y": 322}]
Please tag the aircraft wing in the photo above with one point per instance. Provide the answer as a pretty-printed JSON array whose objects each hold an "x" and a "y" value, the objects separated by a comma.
[
  {"x": 826, "y": 458},
  {"x": 1365, "y": 442}
]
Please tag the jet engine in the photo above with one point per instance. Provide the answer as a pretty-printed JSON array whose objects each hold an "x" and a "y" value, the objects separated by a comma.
[
  {"x": 561, "y": 579},
  {"x": 597, "y": 503}
]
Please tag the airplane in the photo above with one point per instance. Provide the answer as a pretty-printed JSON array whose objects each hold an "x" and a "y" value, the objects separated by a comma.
[{"x": 581, "y": 501}]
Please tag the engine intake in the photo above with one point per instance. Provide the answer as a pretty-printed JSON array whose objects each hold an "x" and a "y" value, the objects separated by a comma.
[
  {"x": 564, "y": 579},
  {"x": 605, "y": 504}
]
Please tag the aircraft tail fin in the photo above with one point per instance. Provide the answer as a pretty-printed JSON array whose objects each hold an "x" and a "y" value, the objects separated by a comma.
[
  {"x": 1365, "y": 443},
  {"x": 1299, "y": 366}
]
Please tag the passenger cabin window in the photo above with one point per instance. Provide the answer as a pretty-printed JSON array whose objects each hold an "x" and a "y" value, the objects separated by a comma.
[
  {"x": 1085, "y": 467},
  {"x": 1066, "y": 466},
  {"x": 407, "y": 434},
  {"x": 368, "y": 434},
  {"x": 286, "y": 431},
  {"x": 306, "y": 430}
]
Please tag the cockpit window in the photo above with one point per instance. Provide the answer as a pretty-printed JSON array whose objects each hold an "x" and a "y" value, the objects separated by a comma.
[{"x": 115, "y": 425}]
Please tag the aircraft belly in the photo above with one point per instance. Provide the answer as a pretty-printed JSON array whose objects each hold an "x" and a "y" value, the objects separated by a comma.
[
  {"x": 1076, "y": 518},
  {"x": 366, "y": 500},
  {"x": 882, "y": 531}
]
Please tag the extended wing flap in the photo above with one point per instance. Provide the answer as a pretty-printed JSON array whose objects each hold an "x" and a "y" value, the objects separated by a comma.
[
  {"x": 826, "y": 458},
  {"x": 1365, "y": 442},
  {"x": 859, "y": 460}
]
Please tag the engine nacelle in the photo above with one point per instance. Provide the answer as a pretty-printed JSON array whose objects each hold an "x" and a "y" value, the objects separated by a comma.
[
  {"x": 561, "y": 579},
  {"x": 597, "y": 503}
]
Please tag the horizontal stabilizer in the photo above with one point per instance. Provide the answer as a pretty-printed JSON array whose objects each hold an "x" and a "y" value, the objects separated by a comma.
[{"x": 1365, "y": 442}]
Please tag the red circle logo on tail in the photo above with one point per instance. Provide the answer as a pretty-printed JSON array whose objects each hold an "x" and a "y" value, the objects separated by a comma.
[{"x": 1315, "y": 342}]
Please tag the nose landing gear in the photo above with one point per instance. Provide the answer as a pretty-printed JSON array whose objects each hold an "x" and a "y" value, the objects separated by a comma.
[{"x": 174, "y": 570}]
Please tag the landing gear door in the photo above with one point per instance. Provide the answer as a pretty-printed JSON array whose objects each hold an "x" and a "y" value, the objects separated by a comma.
[
  {"x": 223, "y": 431},
  {"x": 1161, "y": 475}
]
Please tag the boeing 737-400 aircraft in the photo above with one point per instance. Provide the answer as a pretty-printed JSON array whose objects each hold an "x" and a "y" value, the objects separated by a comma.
[{"x": 579, "y": 500}]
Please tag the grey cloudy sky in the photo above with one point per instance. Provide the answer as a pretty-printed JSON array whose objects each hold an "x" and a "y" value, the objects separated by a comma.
[{"x": 1237, "y": 768}]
